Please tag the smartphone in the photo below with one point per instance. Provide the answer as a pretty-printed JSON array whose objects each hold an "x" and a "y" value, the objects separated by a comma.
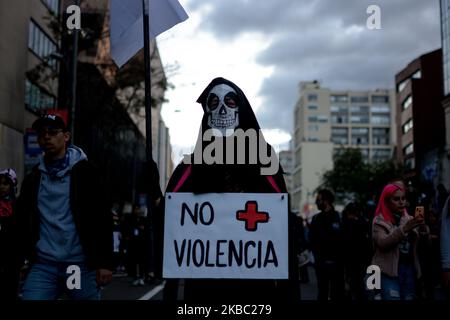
[{"x": 419, "y": 212}]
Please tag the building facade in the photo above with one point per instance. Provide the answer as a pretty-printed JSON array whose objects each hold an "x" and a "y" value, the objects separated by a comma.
[
  {"x": 287, "y": 163},
  {"x": 420, "y": 116},
  {"x": 327, "y": 122},
  {"x": 28, "y": 85}
]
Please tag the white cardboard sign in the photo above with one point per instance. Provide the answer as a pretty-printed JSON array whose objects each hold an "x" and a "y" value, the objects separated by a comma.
[{"x": 226, "y": 235}]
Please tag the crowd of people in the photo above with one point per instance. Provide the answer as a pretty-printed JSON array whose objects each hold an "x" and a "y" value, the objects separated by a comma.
[
  {"x": 410, "y": 248},
  {"x": 61, "y": 219}
]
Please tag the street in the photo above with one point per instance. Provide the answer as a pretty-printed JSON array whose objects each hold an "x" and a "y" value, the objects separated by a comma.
[{"x": 121, "y": 288}]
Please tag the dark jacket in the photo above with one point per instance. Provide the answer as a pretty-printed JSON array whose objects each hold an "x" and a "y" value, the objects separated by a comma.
[
  {"x": 90, "y": 214},
  {"x": 326, "y": 237}
]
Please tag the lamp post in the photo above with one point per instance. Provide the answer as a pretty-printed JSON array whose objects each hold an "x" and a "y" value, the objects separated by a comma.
[{"x": 73, "y": 80}]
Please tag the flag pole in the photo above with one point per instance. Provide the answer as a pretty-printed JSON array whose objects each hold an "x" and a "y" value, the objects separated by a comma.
[
  {"x": 148, "y": 86},
  {"x": 148, "y": 124}
]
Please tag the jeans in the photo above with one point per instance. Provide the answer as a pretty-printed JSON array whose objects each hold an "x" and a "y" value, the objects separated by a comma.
[
  {"x": 401, "y": 287},
  {"x": 48, "y": 281},
  {"x": 330, "y": 281}
]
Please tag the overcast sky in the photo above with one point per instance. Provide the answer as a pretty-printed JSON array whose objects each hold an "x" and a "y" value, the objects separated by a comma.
[{"x": 268, "y": 46}]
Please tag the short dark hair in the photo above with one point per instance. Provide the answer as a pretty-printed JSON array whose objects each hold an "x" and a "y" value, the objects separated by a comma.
[{"x": 326, "y": 195}]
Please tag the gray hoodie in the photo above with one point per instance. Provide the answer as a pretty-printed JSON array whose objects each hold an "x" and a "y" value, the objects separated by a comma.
[
  {"x": 445, "y": 236},
  {"x": 59, "y": 240}
]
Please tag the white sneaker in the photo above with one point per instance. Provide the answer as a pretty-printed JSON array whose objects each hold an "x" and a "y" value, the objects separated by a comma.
[{"x": 141, "y": 282}]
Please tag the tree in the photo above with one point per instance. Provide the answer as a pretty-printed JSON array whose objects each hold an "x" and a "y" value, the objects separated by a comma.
[{"x": 354, "y": 179}]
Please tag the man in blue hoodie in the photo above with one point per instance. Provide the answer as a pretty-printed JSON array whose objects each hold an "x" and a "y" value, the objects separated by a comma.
[{"x": 65, "y": 227}]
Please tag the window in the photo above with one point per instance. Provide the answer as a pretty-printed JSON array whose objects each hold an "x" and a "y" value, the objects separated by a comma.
[
  {"x": 322, "y": 118},
  {"x": 380, "y": 99},
  {"x": 339, "y": 131},
  {"x": 407, "y": 102},
  {"x": 417, "y": 74},
  {"x": 312, "y": 107},
  {"x": 359, "y": 119},
  {"x": 402, "y": 85},
  {"x": 339, "y": 135},
  {"x": 359, "y": 109},
  {"x": 312, "y": 118},
  {"x": 381, "y": 154},
  {"x": 380, "y": 108},
  {"x": 41, "y": 44},
  {"x": 36, "y": 99},
  {"x": 339, "y": 119},
  {"x": 380, "y": 136},
  {"x": 408, "y": 149},
  {"x": 360, "y": 130},
  {"x": 313, "y": 139},
  {"x": 380, "y": 119},
  {"x": 339, "y": 98},
  {"x": 360, "y": 136},
  {"x": 407, "y": 126},
  {"x": 338, "y": 109},
  {"x": 359, "y": 99},
  {"x": 313, "y": 127},
  {"x": 312, "y": 97},
  {"x": 52, "y": 6}
]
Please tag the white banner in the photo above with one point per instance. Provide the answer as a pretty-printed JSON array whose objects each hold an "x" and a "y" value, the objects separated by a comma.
[
  {"x": 226, "y": 235},
  {"x": 127, "y": 31}
]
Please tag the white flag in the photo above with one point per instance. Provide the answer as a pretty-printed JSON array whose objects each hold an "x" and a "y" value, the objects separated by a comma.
[{"x": 127, "y": 34}]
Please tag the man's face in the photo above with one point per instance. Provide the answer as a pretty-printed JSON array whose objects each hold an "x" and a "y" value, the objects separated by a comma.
[
  {"x": 53, "y": 141},
  {"x": 320, "y": 203}
]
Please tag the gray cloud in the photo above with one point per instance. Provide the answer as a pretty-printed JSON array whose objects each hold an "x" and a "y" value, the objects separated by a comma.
[{"x": 325, "y": 40}]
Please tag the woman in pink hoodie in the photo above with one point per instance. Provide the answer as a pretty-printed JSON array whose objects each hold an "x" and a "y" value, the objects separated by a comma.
[{"x": 395, "y": 243}]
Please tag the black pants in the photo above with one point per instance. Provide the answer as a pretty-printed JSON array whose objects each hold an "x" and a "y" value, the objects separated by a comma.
[{"x": 330, "y": 281}]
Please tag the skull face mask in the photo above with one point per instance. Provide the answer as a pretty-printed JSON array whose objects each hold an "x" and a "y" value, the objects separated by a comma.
[{"x": 222, "y": 109}]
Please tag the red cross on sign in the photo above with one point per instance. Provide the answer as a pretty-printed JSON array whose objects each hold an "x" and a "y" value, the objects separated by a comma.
[{"x": 251, "y": 216}]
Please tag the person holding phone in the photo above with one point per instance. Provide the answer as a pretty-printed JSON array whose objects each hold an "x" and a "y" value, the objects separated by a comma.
[{"x": 395, "y": 238}]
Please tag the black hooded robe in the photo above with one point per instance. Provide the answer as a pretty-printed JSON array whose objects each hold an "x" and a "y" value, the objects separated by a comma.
[{"x": 221, "y": 178}]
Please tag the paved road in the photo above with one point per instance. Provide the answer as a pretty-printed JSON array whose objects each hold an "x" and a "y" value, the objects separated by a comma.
[{"x": 121, "y": 288}]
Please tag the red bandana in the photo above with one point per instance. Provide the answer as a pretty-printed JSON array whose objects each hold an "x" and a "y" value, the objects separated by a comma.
[{"x": 5, "y": 208}]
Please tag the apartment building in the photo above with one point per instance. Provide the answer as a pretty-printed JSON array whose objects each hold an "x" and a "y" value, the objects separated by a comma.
[
  {"x": 27, "y": 43},
  {"x": 420, "y": 116},
  {"x": 287, "y": 163},
  {"x": 327, "y": 122}
]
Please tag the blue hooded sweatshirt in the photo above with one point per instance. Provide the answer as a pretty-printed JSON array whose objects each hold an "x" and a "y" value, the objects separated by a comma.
[{"x": 59, "y": 240}]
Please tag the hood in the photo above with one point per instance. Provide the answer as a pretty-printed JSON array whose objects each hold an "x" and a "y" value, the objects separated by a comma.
[
  {"x": 74, "y": 155},
  {"x": 210, "y": 176}
]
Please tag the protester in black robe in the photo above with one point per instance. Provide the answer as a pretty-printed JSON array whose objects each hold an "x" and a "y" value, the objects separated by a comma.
[{"x": 226, "y": 107}]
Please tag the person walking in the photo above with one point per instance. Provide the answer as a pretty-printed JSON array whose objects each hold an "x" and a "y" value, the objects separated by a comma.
[
  {"x": 64, "y": 222},
  {"x": 356, "y": 248},
  {"x": 325, "y": 234},
  {"x": 226, "y": 110}
]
